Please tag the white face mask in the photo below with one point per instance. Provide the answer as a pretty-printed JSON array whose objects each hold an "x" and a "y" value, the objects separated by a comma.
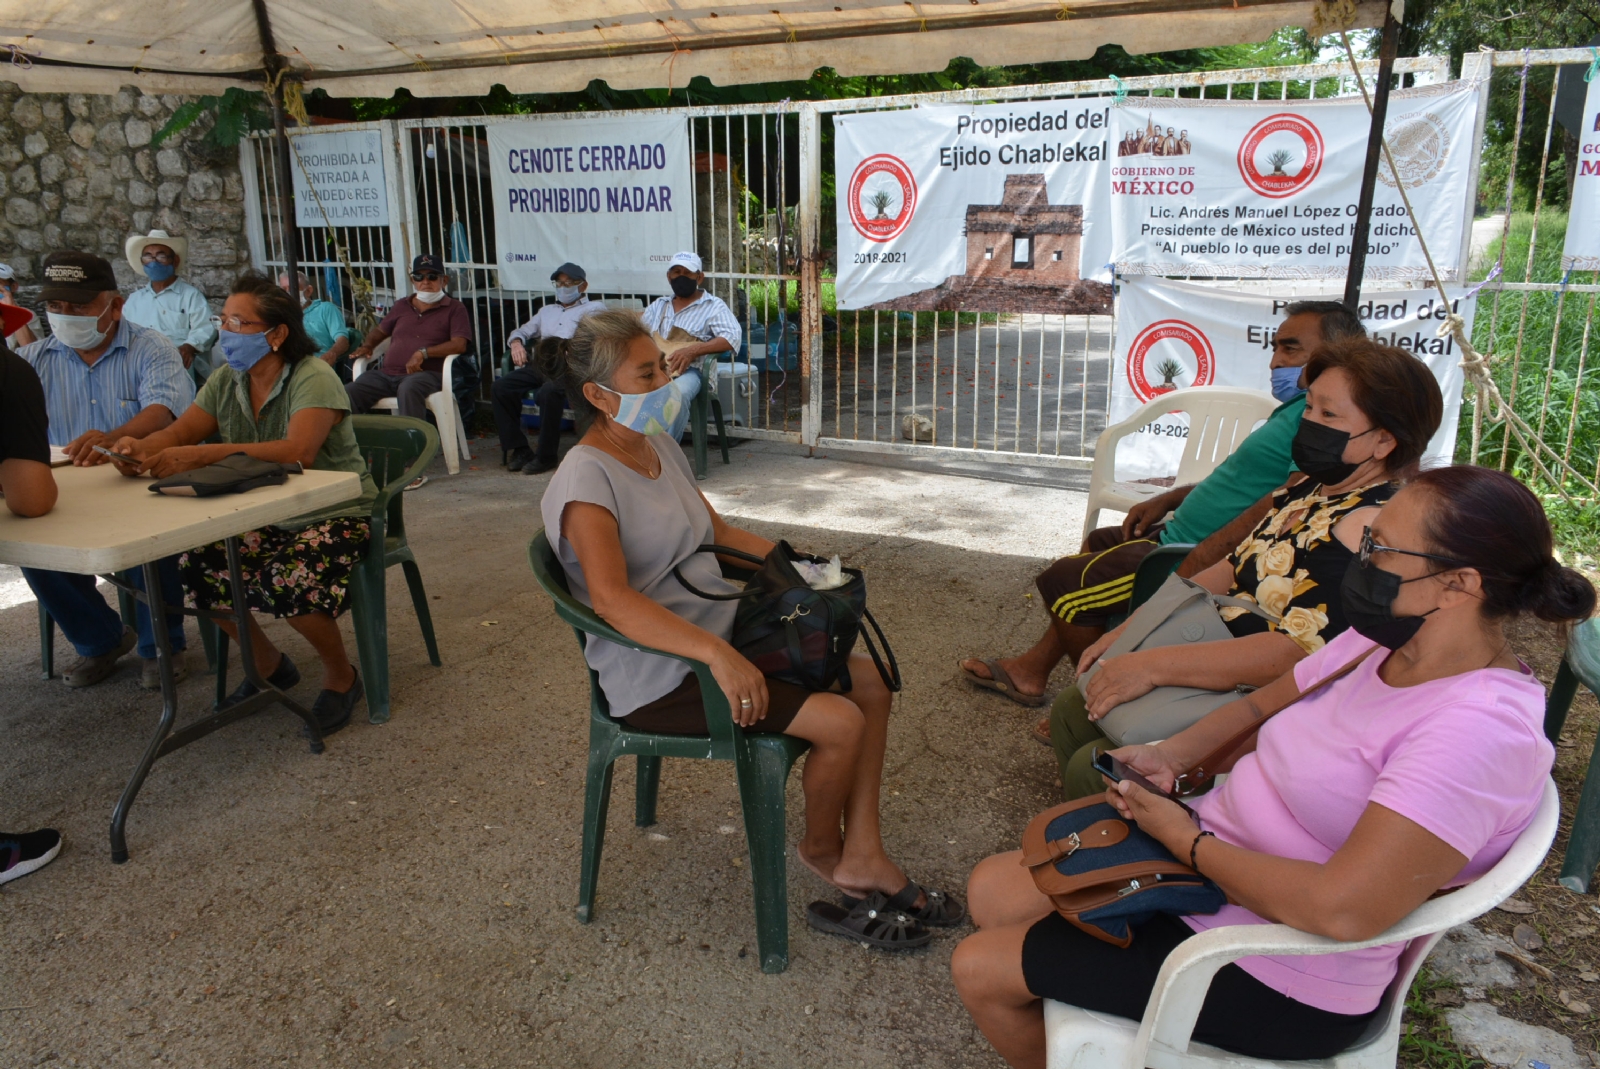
[
  {"x": 305, "y": 301},
  {"x": 78, "y": 332},
  {"x": 429, "y": 298}
]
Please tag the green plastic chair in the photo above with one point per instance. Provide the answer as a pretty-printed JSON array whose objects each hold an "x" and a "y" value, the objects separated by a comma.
[
  {"x": 761, "y": 764},
  {"x": 47, "y": 631},
  {"x": 397, "y": 449},
  {"x": 1580, "y": 665}
]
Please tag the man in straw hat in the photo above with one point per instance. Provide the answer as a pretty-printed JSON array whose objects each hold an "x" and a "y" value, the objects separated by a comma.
[{"x": 167, "y": 303}]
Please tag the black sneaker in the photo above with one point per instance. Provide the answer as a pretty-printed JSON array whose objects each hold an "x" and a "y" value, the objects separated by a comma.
[
  {"x": 518, "y": 459},
  {"x": 284, "y": 677},
  {"x": 333, "y": 709},
  {"x": 23, "y": 852},
  {"x": 539, "y": 465}
]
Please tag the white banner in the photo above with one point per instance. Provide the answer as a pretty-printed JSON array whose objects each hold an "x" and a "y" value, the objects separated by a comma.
[
  {"x": 1269, "y": 189},
  {"x": 1583, "y": 219},
  {"x": 1174, "y": 334},
  {"x": 1000, "y": 207},
  {"x": 613, "y": 195},
  {"x": 346, "y": 170}
]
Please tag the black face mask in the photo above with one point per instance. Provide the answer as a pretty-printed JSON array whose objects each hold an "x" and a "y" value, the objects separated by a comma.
[
  {"x": 684, "y": 286},
  {"x": 1368, "y": 594},
  {"x": 1318, "y": 450}
]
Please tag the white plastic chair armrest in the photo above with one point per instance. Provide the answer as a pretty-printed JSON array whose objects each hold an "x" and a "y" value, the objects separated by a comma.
[
  {"x": 445, "y": 387},
  {"x": 358, "y": 367}
]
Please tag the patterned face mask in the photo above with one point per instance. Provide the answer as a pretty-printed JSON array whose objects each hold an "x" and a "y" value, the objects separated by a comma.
[{"x": 656, "y": 412}]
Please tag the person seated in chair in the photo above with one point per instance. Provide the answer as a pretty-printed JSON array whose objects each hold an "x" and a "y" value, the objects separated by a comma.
[
  {"x": 324, "y": 323},
  {"x": 274, "y": 400},
  {"x": 1370, "y": 410},
  {"x": 1413, "y": 772},
  {"x": 554, "y": 319},
  {"x": 695, "y": 315},
  {"x": 1082, "y": 593},
  {"x": 622, "y": 513},
  {"x": 423, "y": 329}
]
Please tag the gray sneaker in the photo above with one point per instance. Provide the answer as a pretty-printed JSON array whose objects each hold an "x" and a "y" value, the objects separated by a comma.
[
  {"x": 87, "y": 671},
  {"x": 150, "y": 671}
]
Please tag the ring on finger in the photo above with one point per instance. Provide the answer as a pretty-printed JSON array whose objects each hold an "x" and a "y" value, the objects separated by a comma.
[{"x": 745, "y": 703}]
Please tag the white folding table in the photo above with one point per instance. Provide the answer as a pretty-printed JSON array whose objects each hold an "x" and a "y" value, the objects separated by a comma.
[{"x": 105, "y": 523}]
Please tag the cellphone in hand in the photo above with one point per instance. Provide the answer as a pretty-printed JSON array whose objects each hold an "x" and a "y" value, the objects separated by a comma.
[
  {"x": 1116, "y": 772},
  {"x": 103, "y": 451}
]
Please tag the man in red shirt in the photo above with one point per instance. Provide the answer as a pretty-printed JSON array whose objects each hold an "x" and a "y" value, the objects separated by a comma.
[{"x": 423, "y": 329}]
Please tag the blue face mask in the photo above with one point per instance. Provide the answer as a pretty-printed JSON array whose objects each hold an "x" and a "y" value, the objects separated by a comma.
[
  {"x": 243, "y": 351},
  {"x": 1286, "y": 383},
  {"x": 156, "y": 271},
  {"x": 656, "y": 412}
]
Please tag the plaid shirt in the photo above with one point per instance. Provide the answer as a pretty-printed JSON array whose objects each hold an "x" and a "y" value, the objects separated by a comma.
[{"x": 140, "y": 369}]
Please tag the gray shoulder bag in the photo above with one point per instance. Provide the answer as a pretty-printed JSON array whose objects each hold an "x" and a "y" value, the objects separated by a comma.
[{"x": 1179, "y": 613}]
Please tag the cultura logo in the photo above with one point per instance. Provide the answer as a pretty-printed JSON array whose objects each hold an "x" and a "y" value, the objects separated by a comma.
[
  {"x": 1155, "y": 368},
  {"x": 882, "y": 197},
  {"x": 1281, "y": 155}
]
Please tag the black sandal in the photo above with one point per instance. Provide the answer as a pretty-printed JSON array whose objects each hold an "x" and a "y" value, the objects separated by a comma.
[
  {"x": 939, "y": 910},
  {"x": 872, "y": 922}
]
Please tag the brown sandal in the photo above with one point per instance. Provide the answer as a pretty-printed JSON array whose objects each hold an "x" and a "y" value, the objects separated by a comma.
[
  {"x": 1002, "y": 684},
  {"x": 1041, "y": 733}
]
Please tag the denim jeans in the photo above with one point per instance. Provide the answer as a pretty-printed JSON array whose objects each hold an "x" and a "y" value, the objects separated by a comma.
[{"x": 93, "y": 627}]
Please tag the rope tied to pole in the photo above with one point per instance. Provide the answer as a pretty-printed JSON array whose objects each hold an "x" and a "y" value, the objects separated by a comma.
[{"x": 1474, "y": 365}]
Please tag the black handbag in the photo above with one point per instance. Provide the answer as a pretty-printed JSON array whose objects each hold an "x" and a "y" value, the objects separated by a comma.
[
  {"x": 794, "y": 633},
  {"x": 232, "y": 474}
]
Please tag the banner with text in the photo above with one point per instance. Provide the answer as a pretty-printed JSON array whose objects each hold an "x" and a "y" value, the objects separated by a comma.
[
  {"x": 1268, "y": 189},
  {"x": 613, "y": 195},
  {"x": 1582, "y": 252},
  {"x": 999, "y": 207},
  {"x": 346, "y": 170},
  {"x": 1175, "y": 334}
]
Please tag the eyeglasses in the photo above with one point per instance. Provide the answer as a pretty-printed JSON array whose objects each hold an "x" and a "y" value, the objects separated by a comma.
[
  {"x": 1369, "y": 547},
  {"x": 160, "y": 257},
  {"x": 233, "y": 323},
  {"x": 426, "y": 276}
]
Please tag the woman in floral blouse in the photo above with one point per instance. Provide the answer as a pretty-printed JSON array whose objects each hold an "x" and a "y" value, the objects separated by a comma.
[{"x": 1370, "y": 410}]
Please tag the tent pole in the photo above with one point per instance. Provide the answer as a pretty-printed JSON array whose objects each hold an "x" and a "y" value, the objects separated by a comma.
[
  {"x": 273, "y": 62},
  {"x": 1369, "y": 174}
]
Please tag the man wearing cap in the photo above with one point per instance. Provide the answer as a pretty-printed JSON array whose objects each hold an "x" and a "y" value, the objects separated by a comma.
[
  {"x": 554, "y": 319},
  {"x": 691, "y": 309},
  {"x": 168, "y": 303},
  {"x": 423, "y": 329},
  {"x": 103, "y": 377},
  {"x": 16, "y": 330},
  {"x": 324, "y": 323}
]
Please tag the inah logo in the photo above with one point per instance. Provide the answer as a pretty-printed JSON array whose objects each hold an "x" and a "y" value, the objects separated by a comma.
[
  {"x": 882, "y": 197},
  {"x": 1281, "y": 155},
  {"x": 1155, "y": 368}
]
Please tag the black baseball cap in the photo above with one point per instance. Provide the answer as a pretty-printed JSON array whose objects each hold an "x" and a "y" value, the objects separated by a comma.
[
  {"x": 76, "y": 277},
  {"x": 427, "y": 262},
  {"x": 572, "y": 271}
]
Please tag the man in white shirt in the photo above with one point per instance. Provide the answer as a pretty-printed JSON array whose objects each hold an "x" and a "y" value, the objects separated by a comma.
[
  {"x": 696, "y": 312},
  {"x": 168, "y": 304},
  {"x": 554, "y": 319}
]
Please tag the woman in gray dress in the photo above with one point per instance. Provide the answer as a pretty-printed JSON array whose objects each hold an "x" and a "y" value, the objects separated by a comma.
[{"x": 622, "y": 512}]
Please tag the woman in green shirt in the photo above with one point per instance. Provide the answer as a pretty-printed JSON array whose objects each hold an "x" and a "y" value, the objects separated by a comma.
[{"x": 270, "y": 401}]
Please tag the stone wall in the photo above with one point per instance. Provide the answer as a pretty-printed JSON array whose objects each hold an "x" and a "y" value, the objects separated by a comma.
[{"x": 80, "y": 172}]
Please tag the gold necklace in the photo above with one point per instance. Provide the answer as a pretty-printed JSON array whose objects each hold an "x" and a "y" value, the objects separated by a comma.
[{"x": 642, "y": 465}]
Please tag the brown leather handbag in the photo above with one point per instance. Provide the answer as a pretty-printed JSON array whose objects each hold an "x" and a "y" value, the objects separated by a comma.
[{"x": 1107, "y": 876}]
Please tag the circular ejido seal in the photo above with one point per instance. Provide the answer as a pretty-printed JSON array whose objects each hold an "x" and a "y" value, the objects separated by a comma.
[
  {"x": 1289, "y": 168},
  {"x": 882, "y": 197},
  {"x": 1150, "y": 382}
]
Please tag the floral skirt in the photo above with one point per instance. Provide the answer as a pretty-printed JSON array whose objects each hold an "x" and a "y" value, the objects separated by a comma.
[{"x": 286, "y": 572}]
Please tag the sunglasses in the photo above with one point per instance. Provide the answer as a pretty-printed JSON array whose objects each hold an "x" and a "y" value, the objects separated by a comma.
[
  {"x": 426, "y": 276},
  {"x": 1369, "y": 547}
]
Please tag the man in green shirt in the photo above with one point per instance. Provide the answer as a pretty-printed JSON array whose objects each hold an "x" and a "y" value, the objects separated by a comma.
[
  {"x": 1084, "y": 591},
  {"x": 324, "y": 322}
]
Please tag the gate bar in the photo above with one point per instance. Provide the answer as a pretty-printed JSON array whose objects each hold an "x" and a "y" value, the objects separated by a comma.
[{"x": 1369, "y": 172}]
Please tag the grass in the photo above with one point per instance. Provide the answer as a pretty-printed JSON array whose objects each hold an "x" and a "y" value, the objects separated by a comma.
[
  {"x": 1425, "y": 1040},
  {"x": 1540, "y": 379}
]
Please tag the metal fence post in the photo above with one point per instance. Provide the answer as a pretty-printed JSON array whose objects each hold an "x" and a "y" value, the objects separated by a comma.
[
  {"x": 402, "y": 200},
  {"x": 810, "y": 274}
]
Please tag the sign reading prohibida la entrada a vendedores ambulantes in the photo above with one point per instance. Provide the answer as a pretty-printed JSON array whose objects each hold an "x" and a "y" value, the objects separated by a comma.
[
  {"x": 610, "y": 194},
  {"x": 346, "y": 171},
  {"x": 1268, "y": 189}
]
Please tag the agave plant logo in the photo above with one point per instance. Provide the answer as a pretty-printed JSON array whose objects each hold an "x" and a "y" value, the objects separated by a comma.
[
  {"x": 882, "y": 197},
  {"x": 1281, "y": 155},
  {"x": 1167, "y": 355}
]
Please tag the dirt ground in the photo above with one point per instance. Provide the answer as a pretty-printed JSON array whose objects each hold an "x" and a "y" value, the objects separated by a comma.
[{"x": 406, "y": 898}]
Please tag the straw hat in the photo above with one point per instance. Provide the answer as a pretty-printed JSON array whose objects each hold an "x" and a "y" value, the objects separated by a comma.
[{"x": 135, "y": 247}]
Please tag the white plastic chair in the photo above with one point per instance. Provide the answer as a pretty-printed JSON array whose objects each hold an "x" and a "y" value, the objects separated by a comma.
[
  {"x": 452, "y": 434},
  {"x": 1220, "y": 417},
  {"x": 1079, "y": 1039}
]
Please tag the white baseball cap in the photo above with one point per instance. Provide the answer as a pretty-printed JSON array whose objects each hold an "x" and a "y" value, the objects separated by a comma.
[
  {"x": 6, "y": 272},
  {"x": 687, "y": 260}
]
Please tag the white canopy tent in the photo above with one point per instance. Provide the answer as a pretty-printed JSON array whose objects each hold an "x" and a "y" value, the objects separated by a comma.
[{"x": 463, "y": 47}]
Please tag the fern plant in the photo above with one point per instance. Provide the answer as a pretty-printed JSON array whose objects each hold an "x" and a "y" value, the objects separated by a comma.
[{"x": 234, "y": 114}]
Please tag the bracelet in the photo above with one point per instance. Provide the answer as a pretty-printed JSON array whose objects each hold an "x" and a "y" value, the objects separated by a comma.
[{"x": 1192, "y": 846}]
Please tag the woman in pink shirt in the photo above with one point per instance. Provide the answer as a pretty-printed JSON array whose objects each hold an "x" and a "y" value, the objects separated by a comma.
[{"x": 1413, "y": 772}]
